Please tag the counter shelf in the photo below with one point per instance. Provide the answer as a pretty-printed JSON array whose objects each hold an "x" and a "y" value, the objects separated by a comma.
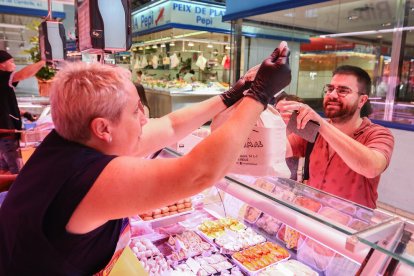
[{"x": 381, "y": 234}]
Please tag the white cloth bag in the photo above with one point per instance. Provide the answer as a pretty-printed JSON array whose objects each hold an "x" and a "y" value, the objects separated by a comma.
[{"x": 264, "y": 153}]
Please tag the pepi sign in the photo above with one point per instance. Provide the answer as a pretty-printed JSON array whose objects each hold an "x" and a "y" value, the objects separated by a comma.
[{"x": 182, "y": 13}]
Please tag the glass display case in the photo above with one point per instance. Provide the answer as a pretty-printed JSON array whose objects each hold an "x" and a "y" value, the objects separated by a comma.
[
  {"x": 165, "y": 97},
  {"x": 254, "y": 225}
]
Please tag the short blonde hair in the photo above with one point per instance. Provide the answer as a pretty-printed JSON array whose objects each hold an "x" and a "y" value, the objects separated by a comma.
[{"x": 82, "y": 92}]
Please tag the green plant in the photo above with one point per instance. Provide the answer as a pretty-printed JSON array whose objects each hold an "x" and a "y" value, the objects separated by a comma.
[{"x": 47, "y": 72}]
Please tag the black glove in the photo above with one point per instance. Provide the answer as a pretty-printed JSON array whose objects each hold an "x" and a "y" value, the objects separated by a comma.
[
  {"x": 29, "y": 116},
  {"x": 273, "y": 76},
  {"x": 235, "y": 93}
]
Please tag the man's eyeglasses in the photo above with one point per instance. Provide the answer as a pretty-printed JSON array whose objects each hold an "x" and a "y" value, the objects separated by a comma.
[{"x": 342, "y": 91}]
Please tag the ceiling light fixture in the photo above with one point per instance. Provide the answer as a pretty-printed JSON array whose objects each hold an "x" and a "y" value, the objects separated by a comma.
[
  {"x": 383, "y": 31},
  {"x": 190, "y": 44},
  {"x": 209, "y": 45},
  {"x": 227, "y": 47},
  {"x": 172, "y": 43},
  {"x": 163, "y": 45},
  {"x": 154, "y": 46},
  {"x": 147, "y": 47}
]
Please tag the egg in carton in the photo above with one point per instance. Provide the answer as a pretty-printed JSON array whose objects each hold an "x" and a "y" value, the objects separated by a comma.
[
  {"x": 144, "y": 248},
  {"x": 156, "y": 265}
]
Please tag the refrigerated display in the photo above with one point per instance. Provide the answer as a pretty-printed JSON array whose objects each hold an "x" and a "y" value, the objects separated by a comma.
[{"x": 308, "y": 232}]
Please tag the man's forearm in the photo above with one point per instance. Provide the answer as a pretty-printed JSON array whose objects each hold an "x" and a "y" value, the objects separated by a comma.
[{"x": 358, "y": 157}]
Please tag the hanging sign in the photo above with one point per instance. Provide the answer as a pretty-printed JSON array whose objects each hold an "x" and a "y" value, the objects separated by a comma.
[
  {"x": 42, "y": 5},
  {"x": 179, "y": 14}
]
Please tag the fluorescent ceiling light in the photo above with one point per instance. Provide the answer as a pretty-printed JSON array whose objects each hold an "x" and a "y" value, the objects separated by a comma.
[
  {"x": 383, "y": 31},
  {"x": 209, "y": 45},
  {"x": 190, "y": 44},
  {"x": 12, "y": 26},
  {"x": 163, "y": 45},
  {"x": 172, "y": 43},
  {"x": 155, "y": 46}
]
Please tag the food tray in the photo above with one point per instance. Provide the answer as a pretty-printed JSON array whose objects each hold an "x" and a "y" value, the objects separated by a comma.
[
  {"x": 281, "y": 236},
  {"x": 182, "y": 250},
  {"x": 238, "y": 238},
  {"x": 335, "y": 215},
  {"x": 284, "y": 193},
  {"x": 342, "y": 206},
  {"x": 254, "y": 272},
  {"x": 241, "y": 225},
  {"x": 291, "y": 267},
  {"x": 251, "y": 214},
  {"x": 308, "y": 203},
  {"x": 170, "y": 216},
  {"x": 268, "y": 224},
  {"x": 358, "y": 225},
  {"x": 315, "y": 254},
  {"x": 265, "y": 185},
  {"x": 364, "y": 215}
]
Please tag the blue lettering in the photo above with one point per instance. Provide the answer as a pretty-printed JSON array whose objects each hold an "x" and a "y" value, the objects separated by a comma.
[
  {"x": 214, "y": 12},
  {"x": 182, "y": 7},
  {"x": 204, "y": 21},
  {"x": 199, "y": 10},
  {"x": 147, "y": 21}
]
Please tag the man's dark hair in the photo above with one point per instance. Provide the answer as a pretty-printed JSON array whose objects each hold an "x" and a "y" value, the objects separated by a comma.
[
  {"x": 141, "y": 94},
  {"x": 192, "y": 71},
  {"x": 364, "y": 83}
]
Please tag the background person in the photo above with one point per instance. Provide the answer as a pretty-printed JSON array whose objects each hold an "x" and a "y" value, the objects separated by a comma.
[
  {"x": 140, "y": 77},
  {"x": 189, "y": 76},
  {"x": 10, "y": 115},
  {"x": 143, "y": 99},
  {"x": 350, "y": 152},
  {"x": 64, "y": 212}
]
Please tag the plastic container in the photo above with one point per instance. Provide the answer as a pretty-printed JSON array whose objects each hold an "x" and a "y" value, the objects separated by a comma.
[
  {"x": 335, "y": 215},
  {"x": 269, "y": 224},
  {"x": 289, "y": 267},
  {"x": 358, "y": 225},
  {"x": 339, "y": 265},
  {"x": 251, "y": 214},
  {"x": 308, "y": 203},
  {"x": 342, "y": 206},
  {"x": 290, "y": 237},
  {"x": 315, "y": 254},
  {"x": 265, "y": 185},
  {"x": 249, "y": 258}
]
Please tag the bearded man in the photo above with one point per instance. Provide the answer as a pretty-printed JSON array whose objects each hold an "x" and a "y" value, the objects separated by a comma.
[{"x": 350, "y": 152}]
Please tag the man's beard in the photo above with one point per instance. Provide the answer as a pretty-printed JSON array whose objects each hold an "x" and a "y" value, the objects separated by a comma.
[{"x": 339, "y": 114}]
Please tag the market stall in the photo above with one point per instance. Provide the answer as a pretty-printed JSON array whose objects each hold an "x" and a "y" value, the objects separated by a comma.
[{"x": 262, "y": 226}]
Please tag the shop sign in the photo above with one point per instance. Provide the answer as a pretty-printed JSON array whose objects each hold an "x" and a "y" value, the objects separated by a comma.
[
  {"x": 199, "y": 15},
  {"x": 31, "y": 4},
  {"x": 185, "y": 13}
]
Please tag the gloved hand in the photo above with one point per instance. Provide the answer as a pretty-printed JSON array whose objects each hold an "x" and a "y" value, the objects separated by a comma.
[
  {"x": 273, "y": 75},
  {"x": 235, "y": 93},
  {"x": 29, "y": 116}
]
